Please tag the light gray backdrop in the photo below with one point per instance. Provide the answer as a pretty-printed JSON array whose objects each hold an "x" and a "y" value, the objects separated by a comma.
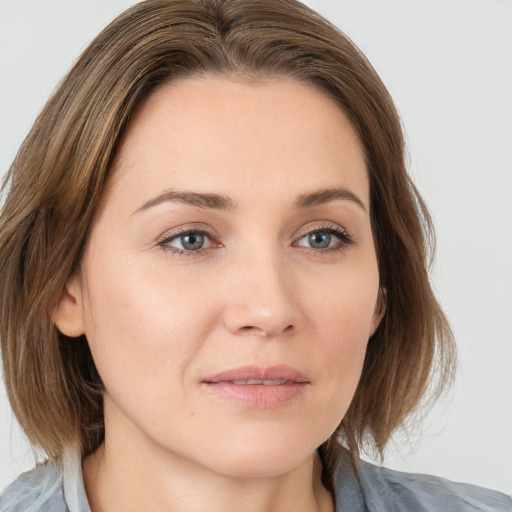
[{"x": 448, "y": 64}]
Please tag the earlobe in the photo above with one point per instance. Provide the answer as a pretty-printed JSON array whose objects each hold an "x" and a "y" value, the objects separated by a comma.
[
  {"x": 68, "y": 315},
  {"x": 380, "y": 309}
]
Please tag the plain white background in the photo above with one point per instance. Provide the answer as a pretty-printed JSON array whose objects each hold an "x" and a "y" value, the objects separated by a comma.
[{"x": 448, "y": 65}]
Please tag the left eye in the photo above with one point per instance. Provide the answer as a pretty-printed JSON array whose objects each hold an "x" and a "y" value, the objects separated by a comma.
[
  {"x": 321, "y": 239},
  {"x": 189, "y": 241}
]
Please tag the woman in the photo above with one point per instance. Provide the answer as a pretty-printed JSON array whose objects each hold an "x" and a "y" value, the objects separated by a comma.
[{"x": 214, "y": 287}]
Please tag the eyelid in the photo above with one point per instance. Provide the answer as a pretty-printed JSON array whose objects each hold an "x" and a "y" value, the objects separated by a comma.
[{"x": 327, "y": 226}]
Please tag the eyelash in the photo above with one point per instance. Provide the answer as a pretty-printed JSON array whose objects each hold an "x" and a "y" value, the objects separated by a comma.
[{"x": 345, "y": 240}]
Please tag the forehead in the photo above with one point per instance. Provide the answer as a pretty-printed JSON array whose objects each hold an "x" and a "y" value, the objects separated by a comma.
[{"x": 213, "y": 133}]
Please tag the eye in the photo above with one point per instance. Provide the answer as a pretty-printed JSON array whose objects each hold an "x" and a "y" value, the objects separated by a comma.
[
  {"x": 187, "y": 241},
  {"x": 318, "y": 240},
  {"x": 325, "y": 239}
]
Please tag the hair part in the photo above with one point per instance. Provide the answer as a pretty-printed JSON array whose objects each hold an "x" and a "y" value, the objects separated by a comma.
[{"x": 56, "y": 181}]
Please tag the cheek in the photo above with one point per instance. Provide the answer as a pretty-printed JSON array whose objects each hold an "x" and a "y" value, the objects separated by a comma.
[
  {"x": 343, "y": 319},
  {"x": 144, "y": 330},
  {"x": 345, "y": 312}
]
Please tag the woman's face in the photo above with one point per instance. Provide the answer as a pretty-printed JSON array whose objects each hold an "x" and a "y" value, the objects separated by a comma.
[{"x": 230, "y": 282}]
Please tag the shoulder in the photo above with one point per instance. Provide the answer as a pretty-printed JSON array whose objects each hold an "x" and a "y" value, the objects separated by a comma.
[
  {"x": 383, "y": 488},
  {"x": 40, "y": 489}
]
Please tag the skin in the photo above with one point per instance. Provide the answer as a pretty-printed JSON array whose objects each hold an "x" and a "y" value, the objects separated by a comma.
[{"x": 260, "y": 291}]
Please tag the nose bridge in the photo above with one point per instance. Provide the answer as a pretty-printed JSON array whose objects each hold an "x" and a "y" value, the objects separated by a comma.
[{"x": 262, "y": 299}]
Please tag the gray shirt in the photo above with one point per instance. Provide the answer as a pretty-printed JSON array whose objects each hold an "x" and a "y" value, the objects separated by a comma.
[{"x": 362, "y": 487}]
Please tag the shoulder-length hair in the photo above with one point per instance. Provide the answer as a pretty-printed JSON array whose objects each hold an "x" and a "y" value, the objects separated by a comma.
[{"x": 55, "y": 183}]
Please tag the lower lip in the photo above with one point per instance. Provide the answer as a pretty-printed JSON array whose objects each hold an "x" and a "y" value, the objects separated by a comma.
[{"x": 258, "y": 395}]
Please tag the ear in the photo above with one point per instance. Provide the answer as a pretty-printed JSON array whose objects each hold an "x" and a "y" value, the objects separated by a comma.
[
  {"x": 68, "y": 316},
  {"x": 380, "y": 309}
]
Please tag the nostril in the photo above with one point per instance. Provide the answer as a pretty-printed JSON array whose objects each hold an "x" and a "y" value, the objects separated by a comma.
[{"x": 260, "y": 331}]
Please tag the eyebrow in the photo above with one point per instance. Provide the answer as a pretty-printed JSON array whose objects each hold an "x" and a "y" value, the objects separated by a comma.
[
  {"x": 223, "y": 202},
  {"x": 202, "y": 200},
  {"x": 327, "y": 195}
]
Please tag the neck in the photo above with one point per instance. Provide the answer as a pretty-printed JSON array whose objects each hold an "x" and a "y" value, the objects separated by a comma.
[{"x": 119, "y": 478}]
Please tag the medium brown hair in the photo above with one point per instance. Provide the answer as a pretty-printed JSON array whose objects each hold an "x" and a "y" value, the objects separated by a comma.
[{"x": 55, "y": 183}]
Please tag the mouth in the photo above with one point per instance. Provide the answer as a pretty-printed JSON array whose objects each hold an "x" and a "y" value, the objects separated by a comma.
[
  {"x": 262, "y": 382},
  {"x": 252, "y": 386}
]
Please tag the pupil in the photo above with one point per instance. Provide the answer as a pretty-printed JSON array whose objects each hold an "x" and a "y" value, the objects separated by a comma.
[
  {"x": 192, "y": 241},
  {"x": 320, "y": 240}
]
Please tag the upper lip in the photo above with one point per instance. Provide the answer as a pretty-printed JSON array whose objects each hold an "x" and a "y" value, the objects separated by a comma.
[{"x": 278, "y": 372}]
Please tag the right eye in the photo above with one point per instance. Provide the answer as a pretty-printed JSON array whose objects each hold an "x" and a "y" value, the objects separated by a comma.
[{"x": 187, "y": 242}]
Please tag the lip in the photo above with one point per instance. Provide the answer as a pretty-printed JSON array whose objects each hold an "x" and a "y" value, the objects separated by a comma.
[
  {"x": 288, "y": 385},
  {"x": 277, "y": 372}
]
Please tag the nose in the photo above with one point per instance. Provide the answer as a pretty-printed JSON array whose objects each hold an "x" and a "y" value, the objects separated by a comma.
[{"x": 263, "y": 300}]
